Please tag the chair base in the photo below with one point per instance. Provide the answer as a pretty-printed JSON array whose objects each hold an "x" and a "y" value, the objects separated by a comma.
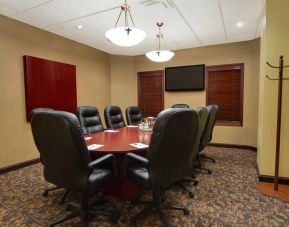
[
  {"x": 85, "y": 211},
  {"x": 46, "y": 190},
  {"x": 206, "y": 157},
  {"x": 198, "y": 164},
  {"x": 158, "y": 205},
  {"x": 62, "y": 199},
  {"x": 85, "y": 215},
  {"x": 159, "y": 210},
  {"x": 187, "y": 188},
  {"x": 205, "y": 169}
]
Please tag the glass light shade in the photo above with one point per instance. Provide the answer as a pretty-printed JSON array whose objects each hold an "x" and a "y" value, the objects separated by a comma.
[
  {"x": 121, "y": 37},
  {"x": 160, "y": 55}
]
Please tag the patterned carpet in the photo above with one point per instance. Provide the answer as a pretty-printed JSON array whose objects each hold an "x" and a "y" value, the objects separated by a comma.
[{"x": 225, "y": 198}]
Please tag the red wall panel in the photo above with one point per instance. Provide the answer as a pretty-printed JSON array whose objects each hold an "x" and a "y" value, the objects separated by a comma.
[{"x": 49, "y": 84}]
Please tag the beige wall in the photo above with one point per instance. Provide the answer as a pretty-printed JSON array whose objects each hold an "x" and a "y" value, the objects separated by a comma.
[
  {"x": 18, "y": 39},
  {"x": 274, "y": 42},
  {"x": 125, "y": 93}
]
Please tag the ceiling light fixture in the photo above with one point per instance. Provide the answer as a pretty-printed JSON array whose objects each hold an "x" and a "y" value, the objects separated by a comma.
[
  {"x": 160, "y": 55},
  {"x": 125, "y": 36},
  {"x": 240, "y": 24},
  {"x": 79, "y": 26}
]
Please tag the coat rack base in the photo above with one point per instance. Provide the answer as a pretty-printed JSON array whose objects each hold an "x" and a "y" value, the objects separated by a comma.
[{"x": 268, "y": 189}]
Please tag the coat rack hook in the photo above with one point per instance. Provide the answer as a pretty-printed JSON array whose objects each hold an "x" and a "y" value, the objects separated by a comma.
[
  {"x": 276, "y": 79},
  {"x": 272, "y": 66},
  {"x": 270, "y": 78}
]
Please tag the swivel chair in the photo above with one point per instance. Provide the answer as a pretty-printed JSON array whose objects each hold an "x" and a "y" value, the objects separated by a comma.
[
  {"x": 89, "y": 119},
  {"x": 113, "y": 117},
  {"x": 61, "y": 144},
  {"x": 208, "y": 131},
  {"x": 168, "y": 158},
  {"x": 47, "y": 189},
  {"x": 133, "y": 115},
  {"x": 203, "y": 115},
  {"x": 180, "y": 105}
]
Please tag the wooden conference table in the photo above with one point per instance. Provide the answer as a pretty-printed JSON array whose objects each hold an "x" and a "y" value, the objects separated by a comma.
[{"x": 118, "y": 142}]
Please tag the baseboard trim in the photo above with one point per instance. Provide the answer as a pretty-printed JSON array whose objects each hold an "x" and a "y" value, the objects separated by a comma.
[
  {"x": 270, "y": 179},
  {"x": 19, "y": 165},
  {"x": 224, "y": 145}
]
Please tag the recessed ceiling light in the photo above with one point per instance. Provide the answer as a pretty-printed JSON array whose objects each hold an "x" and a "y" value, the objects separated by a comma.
[
  {"x": 240, "y": 24},
  {"x": 79, "y": 26}
]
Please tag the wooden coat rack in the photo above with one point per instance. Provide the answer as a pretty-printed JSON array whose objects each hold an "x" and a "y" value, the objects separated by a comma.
[{"x": 279, "y": 113}]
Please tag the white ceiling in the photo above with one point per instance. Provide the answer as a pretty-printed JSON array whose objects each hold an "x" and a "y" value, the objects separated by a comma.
[{"x": 187, "y": 23}]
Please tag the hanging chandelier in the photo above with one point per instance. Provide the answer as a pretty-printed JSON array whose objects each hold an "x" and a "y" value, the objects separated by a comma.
[
  {"x": 160, "y": 55},
  {"x": 127, "y": 35}
]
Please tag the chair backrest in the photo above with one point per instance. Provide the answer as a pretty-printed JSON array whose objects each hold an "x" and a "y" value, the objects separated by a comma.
[
  {"x": 203, "y": 118},
  {"x": 173, "y": 139},
  {"x": 62, "y": 148},
  {"x": 180, "y": 105},
  {"x": 113, "y": 117},
  {"x": 133, "y": 115},
  {"x": 208, "y": 131},
  {"x": 89, "y": 118},
  {"x": 37, "y": 110}
]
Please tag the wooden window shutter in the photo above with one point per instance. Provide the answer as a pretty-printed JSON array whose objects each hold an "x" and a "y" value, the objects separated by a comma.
[{"x": 225, "y": 88}]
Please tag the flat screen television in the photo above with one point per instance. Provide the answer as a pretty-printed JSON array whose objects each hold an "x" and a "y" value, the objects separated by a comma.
[{"x": 185, "y": 78}]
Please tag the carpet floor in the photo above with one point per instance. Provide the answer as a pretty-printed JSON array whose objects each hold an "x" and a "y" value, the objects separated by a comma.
[{"x": 225, "y": 198}]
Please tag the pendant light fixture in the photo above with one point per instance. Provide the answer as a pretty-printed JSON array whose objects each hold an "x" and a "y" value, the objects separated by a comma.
[
  {"x": 127, "y": 35},
  {"x": 160, "y": 55}
]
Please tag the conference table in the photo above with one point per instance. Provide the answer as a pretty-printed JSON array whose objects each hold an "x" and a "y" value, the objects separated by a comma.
[{"x": 119, "y": 142}]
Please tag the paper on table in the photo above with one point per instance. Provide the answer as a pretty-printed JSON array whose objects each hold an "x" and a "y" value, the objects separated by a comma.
[
  {"x": 132, "y": 126},
  {"x": 94, "y": 146},
  {"x": 87, "y": 138},
  {"x": 110, "y": 130},
  {"x": 139, "y": 145}
]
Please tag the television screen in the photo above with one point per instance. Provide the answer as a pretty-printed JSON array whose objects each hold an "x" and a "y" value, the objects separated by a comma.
[{"x": 185, "y": 78}]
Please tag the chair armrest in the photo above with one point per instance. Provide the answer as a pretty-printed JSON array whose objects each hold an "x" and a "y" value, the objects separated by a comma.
[
  {"x": 133, "y": 157},
  {"x": 100, "y": 160},
  {"x": 136, "y": 157}
]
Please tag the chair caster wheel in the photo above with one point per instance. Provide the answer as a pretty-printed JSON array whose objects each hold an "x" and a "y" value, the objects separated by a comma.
[
  {"x": 193, "y": 177},
  {"x": 132, "y": 224},
  {"x": 213, "y": 161},
  {"x": 210, "y": 172},
  {"x": 191, "y": 195},
  {"x": 196, "y": 183},
  {"x": 69, "y": 207},
  {"x": 186, "y": 212},
  {"x": 45, "y": 194},
  {"x": 114, "y": 218},
  {"x": 61, "y": 202}
]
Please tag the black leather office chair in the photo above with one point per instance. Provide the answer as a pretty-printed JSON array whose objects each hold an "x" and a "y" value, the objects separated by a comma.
[
  {"x": 89, "y": 118},
  {"x": 168, "y": 158},
  {"x": 203, "y": 117},
  {"x": 133, "y": 115},
  {"x": 61, "y": 144},
  {"x": 37, "y": 110},
  {"x": 208, "y": 131},
  {"x": 180, "y": 105},
  {"x": 113, "y": 117},
  {"x": 47, "y": 189}
]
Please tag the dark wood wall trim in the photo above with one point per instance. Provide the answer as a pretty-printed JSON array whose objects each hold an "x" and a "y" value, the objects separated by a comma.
[
  {"x": 245, "y": 147},
  {"x": 19, "y": 165},
  {"x": 270, "y": 179}
]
